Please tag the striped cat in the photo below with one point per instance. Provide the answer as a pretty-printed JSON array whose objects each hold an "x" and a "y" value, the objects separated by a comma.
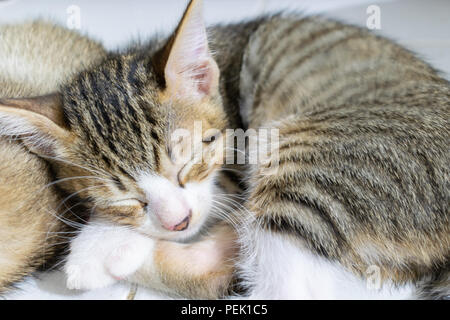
[
  {"x": 361, "y": 187},
  {"x": 100, "y": 143}
]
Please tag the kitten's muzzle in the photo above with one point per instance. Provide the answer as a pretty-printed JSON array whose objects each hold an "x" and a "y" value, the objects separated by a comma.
[
  {"x": 183, "y": 225},
  {"x": 174, "y": 217}
]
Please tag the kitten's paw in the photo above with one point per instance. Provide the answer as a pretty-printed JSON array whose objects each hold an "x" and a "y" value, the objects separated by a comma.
[
  {"x": 129, "y": 257},
  {"x": 87, "y": 276},
  {"x": 102, "y": 254}
]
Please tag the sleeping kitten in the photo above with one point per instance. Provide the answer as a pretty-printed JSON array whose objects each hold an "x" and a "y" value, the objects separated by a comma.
[
  {"x": 107, "y": 136},
  {"x": 362, "y": 182},
  {"x": 358, "y": 206},
  {"x": 35, "y": 58}
]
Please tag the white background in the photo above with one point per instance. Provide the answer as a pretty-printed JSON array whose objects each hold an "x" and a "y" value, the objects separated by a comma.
[{"x": 421, "y": 25}]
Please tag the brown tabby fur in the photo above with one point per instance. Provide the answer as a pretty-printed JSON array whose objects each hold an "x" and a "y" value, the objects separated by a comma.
[
  {"x": 364, "y": 157},
  {"x": 364, "y": 131}
]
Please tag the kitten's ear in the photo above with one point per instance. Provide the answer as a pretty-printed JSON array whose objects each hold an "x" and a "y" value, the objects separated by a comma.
[
  {"x": 190, "y": 70},
  {"x": 38, "y": 122}
]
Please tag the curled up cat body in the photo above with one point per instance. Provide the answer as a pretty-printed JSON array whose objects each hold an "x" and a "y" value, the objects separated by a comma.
[
  {"x": 356, "y": 205},
  {"x": 35, "y": 58},
  {"x": 99, "y": 142}
]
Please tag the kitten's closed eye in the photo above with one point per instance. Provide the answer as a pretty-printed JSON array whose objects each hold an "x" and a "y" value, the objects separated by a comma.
[
  {"x": 131, "y": 212},
  {"x": 132, "y": 202}
]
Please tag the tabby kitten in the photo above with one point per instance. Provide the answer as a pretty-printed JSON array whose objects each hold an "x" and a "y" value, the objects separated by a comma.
[
  {"x": 358, "y": 204},
  {"x": 361, "y": 189},
  {"x": 35, "y": 58},
  {"x": 107, "y": 137},
  {"x": 362, "y": 180}
]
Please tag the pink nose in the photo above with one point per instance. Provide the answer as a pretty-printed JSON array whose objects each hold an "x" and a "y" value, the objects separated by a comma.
[
  {"x": 176, "y": 220},
  {"x": 183, "y": 225},
  {"x": 172, "y": 211}
]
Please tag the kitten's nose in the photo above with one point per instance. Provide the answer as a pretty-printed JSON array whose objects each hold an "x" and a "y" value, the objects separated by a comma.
[
  {"x": 183, "y": 225},
  {"x": 173, "y": 215}
]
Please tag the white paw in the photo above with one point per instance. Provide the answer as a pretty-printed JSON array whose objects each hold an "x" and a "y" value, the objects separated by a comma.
[
  {"x": 129, "y": 257},
  {"x": 87, "y": 276},
  {"x": 104, "y": 253}
]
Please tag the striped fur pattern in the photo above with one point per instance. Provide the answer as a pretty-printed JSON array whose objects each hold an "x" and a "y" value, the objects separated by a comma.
[
  {"x": 107, "y": 135},
  {"x": 111, "y": 113},
  {"x": 364, "y": 158},
  {"x": 363, "y": 176}
]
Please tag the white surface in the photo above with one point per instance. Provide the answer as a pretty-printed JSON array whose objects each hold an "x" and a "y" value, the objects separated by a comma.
[
  {"x": 52, "y": 287},
  {"x": 423, "y": 26},
  {"x": 114, "y": 22}
]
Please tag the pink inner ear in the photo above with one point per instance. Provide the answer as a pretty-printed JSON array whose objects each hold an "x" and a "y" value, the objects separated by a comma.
[
  {"x": 190, "y": 70},
  {"x": 202, "y": 75}
]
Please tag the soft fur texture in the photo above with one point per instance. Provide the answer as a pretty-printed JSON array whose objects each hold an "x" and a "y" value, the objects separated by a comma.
[
  {"x": 361, "y": 181},
  {"x": 106, "y": 137},
  {"x": 363, "y": 171},
  {"x": 35, "y": 58}
]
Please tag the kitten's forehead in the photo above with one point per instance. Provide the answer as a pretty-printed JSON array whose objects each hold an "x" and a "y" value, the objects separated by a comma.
[
  {"x": 187, "y": 114},
  {"x": 114, "y": 110},
  {"x": 124, "y": 118}
]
